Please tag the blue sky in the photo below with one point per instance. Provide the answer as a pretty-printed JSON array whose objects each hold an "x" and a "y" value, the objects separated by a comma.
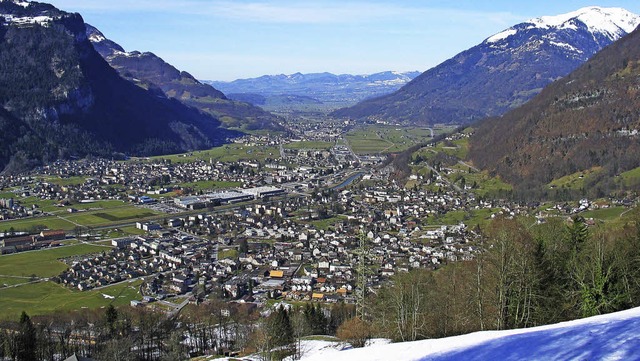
[{"x": 231, "y": 39}]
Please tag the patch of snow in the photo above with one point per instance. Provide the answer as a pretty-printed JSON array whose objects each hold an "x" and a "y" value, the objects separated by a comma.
[
  {"x": 566, "y": 46},
  {"x": 24, "y": 4},
  {"x": 128, "y": 54},
  {"x": 502, "y": 35},
  {"x": 108, "y": 296},
  {"x": 628, "y": 133},
  {"x": 96, "y": 38},
  {"x": 42, "y": 20},
  {"x": 606, "y": 337},
  {"x": 611, "y": 21},
  {"x": 390, "y": 82},
  {"x": 309, "y": 347}
]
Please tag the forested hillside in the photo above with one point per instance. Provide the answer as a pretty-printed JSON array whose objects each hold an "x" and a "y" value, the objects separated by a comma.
[
  {"x": 590, "y": 118},
  {"x": 60, "y": 98}
]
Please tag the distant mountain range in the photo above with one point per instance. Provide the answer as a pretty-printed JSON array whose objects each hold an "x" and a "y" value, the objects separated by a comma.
[
  {"x": 60, "y": 98},
  {"x": 587, "y": 121},
  {"x": 501, "y": 73},
  {"x": 330, "y": 90},
  {"x": 151, "y": 72}
]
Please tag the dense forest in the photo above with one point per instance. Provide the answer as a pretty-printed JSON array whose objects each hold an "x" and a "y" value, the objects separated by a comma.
[{"x": 522, "y": 276}]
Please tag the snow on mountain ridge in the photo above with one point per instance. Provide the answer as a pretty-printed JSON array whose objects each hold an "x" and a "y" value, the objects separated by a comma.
[
  {"x": 502, "y": 35},
  {"x": 17, "y": 16},
  {"x": 42, "y": 20},
  {"x": 596, "y": 18},
  {"x": 611, "y": 22},
  {"x": 96, "y": 38}
]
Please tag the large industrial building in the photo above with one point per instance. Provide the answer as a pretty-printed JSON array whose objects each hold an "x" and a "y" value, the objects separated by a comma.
[
  {"x": 226, "y": 197},
  {"x": 264, "y": 192}
]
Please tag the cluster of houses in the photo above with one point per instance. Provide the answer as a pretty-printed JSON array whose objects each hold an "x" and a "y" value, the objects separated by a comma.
[
  {"x": 132, "y": 258},
  {"x": 279, "y": 251},
  {"x": 11, "y": 209}
]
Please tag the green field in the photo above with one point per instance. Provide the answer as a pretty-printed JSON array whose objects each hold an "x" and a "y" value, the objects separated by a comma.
[
  {"x": 210, "y": 185},
  {"x": 458, "y": 148},
  {"x": 205, "y": 186},
  {"x": 631, "y": 178},
  {"x": 114, "y": 215},
  {"x": 481, "y": 182},
  {"x": 575, "y": 180},
  {"x": 326, "y": 223},
  {"x": 605, "y": 214},
  {"x": 226, "y": 153},
  {"x": 369, "y": 146},
  {"x": 69, "y": 221},
  {"x": 47, "y": 297},
  {"x": 230, "y": 253},
  {"x": 386, "y": 139},
  {"x": 30, "y": 224},
  {"x": 4, "y": 194},
  {"x": 13, "y": 280},
  {"x": 65, "y": 181},
  {"x": 43, "y": 263},
  {"x": 50, "y": 206},
  {"x": 132, "y": 230},
  {"x": 309, "y": 145}
]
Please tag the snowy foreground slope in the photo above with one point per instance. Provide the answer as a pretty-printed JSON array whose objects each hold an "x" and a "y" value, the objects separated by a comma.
[{"x": 614, "y": 336}]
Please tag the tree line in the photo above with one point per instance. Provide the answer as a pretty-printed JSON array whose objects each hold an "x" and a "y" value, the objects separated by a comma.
[
  {"x": 136, "y": 334},
  {"x": 525, "y": 276}
]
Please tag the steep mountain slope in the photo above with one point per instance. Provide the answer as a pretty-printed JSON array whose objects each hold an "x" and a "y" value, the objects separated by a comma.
[
  {"x": 321, "y": 88},
  {"x": 589, "y": 118},
  {"x": 502, "y": 72},
  {"x": 150, "y": 71},
  {"x": 59, "y": 97}
]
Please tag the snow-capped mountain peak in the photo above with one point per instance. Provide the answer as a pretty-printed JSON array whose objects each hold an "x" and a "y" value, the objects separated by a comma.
[
  {"x": 596, "y": 18},
  {"x": 610, "y": 22},
  {"x": 502, "y": 72}
]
